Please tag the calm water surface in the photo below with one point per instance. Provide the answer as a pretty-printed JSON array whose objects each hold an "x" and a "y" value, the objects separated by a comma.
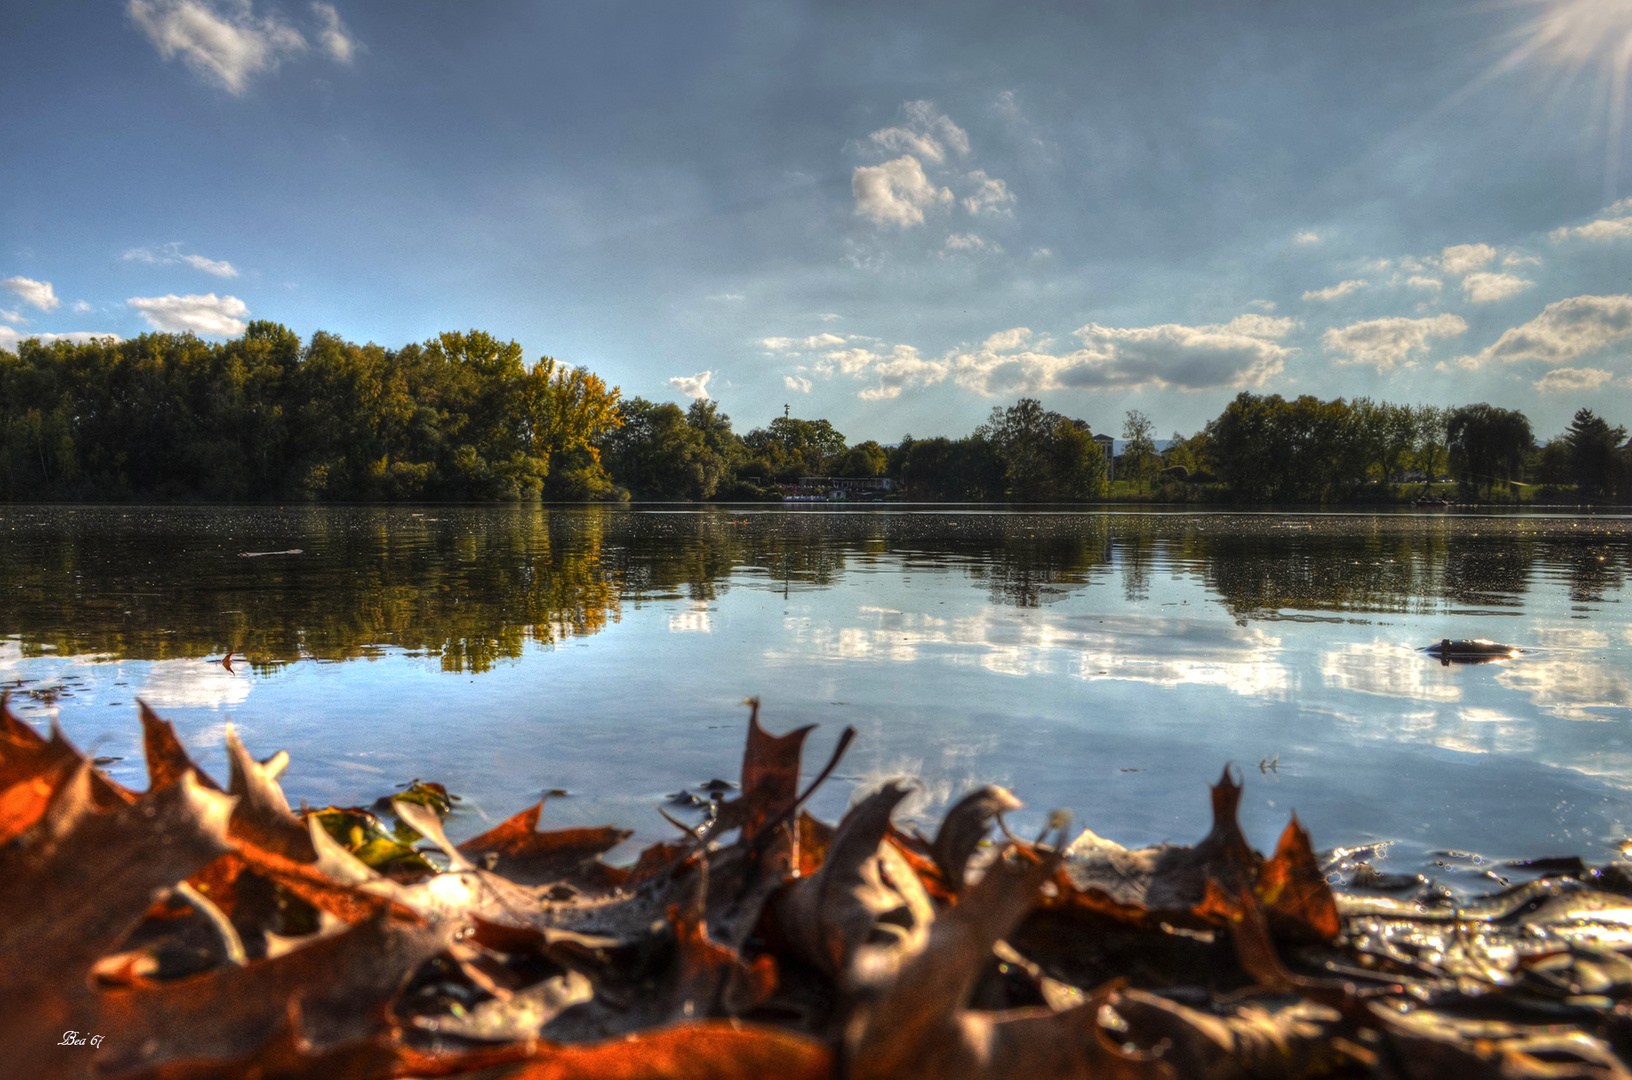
[{"x": 1108, "y": 663}]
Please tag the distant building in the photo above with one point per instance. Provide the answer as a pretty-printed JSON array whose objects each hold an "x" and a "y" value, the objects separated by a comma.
[
  {"x": 1107, "y": 446},
  {"x": 847, "y": 483}
]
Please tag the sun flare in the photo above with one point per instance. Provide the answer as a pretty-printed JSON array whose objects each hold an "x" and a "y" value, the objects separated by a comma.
[{"x": 1583, "y": 39}]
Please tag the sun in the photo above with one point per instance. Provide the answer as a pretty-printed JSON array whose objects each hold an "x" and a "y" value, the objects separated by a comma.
[{"x": 1579, "y": 40}]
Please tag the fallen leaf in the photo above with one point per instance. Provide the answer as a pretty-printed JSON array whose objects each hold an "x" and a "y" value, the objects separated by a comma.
[
  {"x": 527, "y": 856},
  {"x": 770, "y": 778},
  {"x": 342, "y": 983},
  {"x": 965, "y": 826},
  {"x": 864, "y": 892},
  {"x": 919, "y": 1025},
  {"x": 705, "y": 1050}
]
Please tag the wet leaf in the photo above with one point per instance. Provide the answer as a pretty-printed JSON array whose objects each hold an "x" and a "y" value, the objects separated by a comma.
[
  {"x": 525, "y": 855},
  {"x": 770, "y": 778},
  {"x": 1293, "y": 890},
  {"x": 366, "y": 837}
]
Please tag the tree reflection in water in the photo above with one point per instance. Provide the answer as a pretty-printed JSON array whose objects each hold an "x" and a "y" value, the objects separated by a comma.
[{"x": 474, "y": 586}]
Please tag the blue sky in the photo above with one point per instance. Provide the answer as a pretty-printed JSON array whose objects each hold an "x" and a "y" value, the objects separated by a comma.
[{"x": 894, "y": 216}]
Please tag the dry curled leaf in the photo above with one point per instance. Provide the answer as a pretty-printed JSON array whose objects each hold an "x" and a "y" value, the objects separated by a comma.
[
  {"x": 919, "y": 1025},
  {"x": 864, "y": 892}
]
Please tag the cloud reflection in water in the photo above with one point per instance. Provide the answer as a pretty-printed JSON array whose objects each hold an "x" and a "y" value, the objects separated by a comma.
[{"x": 1008, "y": 641}]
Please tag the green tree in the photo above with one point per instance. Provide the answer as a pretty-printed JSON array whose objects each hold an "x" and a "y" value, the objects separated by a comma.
[
  {"x": 656, "y": 454},
  {"x": 946, "y": 470},
  {"x": 1596, "y": 461},
  {"x": 1044, "y": 455},
  {"x": 864, "y": 459},
  {"x": 1139, "y": 461},
  {"x": 789, "y": 448},
  {"x": 1487, "y": 444},
  {"x": 1429, "y": 441}
]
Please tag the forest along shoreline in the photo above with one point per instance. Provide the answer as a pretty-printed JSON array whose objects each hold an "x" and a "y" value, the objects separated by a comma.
[{"x": 463, "y": 418}]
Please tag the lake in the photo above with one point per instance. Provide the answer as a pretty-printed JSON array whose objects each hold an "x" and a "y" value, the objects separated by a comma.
[{"x": 1109, "y": 663}]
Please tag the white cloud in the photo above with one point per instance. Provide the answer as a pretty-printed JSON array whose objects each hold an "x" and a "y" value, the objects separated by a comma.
[
  {"x": 896, "y": 192},
  {"x": 797, "y": 383},
  {"x": 829, "y": 316},
  {"x": 847, "y": 361},
  {"x": 1385, "y": 343},
  {"x": 1007, "y": 340},
  {"x": 1602, "y": 229},
  {"x": 9, "y": 337},
  {"x": 1332, "y": 292},
  {"x": 1565, "y": 330},
  {"x": 178, "y": 684},
  {"x": 965, "y": 242},
  {"x": 1244, "y": 352},
  {"x": 901, "y": 139},
  {"x": 901, "y": 369},
  {"x": 1616, "y": 226},
  {"x": 1573, "y": 380},
  {"x": 1515, "y": 259},
  {"x": 992, "y": 196},
  {"x": 815, "y": 341},
  {"x": 220, "y": 268},
  {"x": 727, "y": 297},
  {"x": 693, "y": 386},
  {"x": 209, "y": 314},
  {"x": 38, "y": 293},
  {"x": 1307, "y": 237},
  {"x": 171, "y": 253},
  {"x": 1459, "y": 259},
  {"x": 333, "y": 35},
  {"x": 1487, "y": 288},
  {"x": 222, "y": 41},
  {"x": 1418, "y": 281},
  {"x": 927, "y": 133},
  {"x": 1262, "y": 305},
  {"x": 80, "y": 306},
  {"x": 12, "y": 316},
  {"x": 1021, "y": 129},
  {"x": 1041, "y": 252}
]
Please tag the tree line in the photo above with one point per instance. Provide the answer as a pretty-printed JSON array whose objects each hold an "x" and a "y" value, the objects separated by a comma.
[{"x": 462, "y": 417}]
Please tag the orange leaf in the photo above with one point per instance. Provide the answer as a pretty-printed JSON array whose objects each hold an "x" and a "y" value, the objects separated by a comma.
[
  {"x": 707, "y": 1050},
  {"x": 770, "y": 776},
  {"x": 167, "y": 759},
  {"x": 1294, "y": 892},
  {"x": 528, "y": 856}
]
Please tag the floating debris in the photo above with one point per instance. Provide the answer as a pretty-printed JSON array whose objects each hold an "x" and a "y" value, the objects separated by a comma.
[{"x": 1472, "y": 651}]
